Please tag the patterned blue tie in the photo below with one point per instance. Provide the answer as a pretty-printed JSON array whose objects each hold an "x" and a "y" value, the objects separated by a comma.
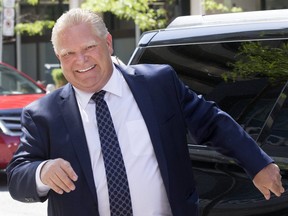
[{"x": 118, "y": 189}]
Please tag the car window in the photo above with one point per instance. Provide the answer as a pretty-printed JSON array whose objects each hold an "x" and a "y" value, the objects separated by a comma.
[
  {"x": 12, "y": 82},
  {"x": 279, "y": 132},
  {"x": 276, "y": 136},
  {"x": 214, "y": 70},
  {"x": 256, "y": 111}
]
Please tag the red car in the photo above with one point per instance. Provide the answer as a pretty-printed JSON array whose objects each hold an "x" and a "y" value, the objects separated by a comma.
[{"x": 17, "y": 90}]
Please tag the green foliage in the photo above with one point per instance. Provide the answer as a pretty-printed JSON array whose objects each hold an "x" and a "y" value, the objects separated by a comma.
[
  {"x": 32, "y": 2},
  {"x": 256, "y": 60},
  {"x": 212, "y": 7},
  {"x": 147, "y": 14},
  {"x": 36, "y": 28},
  {"x": 58, "y": 77},
  {"x": 35, "y": 2},
  {"x": 142, "y": 12}
]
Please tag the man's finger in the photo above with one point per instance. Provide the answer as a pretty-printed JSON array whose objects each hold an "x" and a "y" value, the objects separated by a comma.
[
  {"x": 58, "y": 175},
  {"x": 63, "y": 181},
  {"x": 69, "y": 170},
  {"x": 277, "y": 189},
  {"x": 54, "y": 186},
  {"x": 266, "y": 192}
]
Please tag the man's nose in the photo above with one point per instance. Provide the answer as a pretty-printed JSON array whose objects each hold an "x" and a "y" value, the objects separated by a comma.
[{"x": 81, "y": 57}]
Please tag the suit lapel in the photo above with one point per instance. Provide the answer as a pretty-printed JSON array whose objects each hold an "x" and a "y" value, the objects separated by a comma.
[
  {"x": 142, "y": 95},
  {"x": 72, "y": 118}
]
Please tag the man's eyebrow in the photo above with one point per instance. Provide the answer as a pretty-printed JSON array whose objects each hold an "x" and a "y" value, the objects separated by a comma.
[
  {"x": 63, "y": 51},
  {"x": 91, "y": 43}
]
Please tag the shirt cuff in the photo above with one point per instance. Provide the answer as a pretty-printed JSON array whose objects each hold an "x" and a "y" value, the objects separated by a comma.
[{"x": 41, "y": 188}]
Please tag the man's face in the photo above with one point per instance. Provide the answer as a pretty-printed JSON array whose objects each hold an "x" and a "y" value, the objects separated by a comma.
[{"x": 85, "y": 58}]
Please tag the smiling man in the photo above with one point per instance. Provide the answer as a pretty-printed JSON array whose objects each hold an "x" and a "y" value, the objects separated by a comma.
[
  {"x": 85, "y": 58},
  {"x": 113, "y": 140}
]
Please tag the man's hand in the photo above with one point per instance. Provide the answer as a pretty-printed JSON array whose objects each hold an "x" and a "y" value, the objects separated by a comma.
[
  {"x": 58, "y": 175},
  {"x": 269, "y": 180}
]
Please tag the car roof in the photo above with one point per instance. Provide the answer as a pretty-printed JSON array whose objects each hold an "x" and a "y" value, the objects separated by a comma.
[
  {"x": 229, "y": 18},
  {"x": 220, "y": 27}
]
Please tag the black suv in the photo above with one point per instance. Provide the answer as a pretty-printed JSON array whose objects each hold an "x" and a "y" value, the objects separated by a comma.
[{"x": 240, "y": 61}]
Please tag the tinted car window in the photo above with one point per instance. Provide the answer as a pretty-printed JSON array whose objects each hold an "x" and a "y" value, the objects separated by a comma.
[
  {"x": 275, "y": 138},
  {"x": 209, "y": 68},
  {"x": 256, "y": 111},
  {"x": 279, "y": 133}
]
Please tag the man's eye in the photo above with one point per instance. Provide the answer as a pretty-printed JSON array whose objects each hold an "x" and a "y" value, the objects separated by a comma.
[{"x": 91, "y": 47}]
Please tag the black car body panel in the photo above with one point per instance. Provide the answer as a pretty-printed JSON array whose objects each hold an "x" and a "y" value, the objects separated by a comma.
[{"x": 204, "y": 50}]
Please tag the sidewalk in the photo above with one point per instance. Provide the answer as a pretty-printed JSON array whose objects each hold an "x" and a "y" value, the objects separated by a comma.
[{"x": 10, "y": 207}]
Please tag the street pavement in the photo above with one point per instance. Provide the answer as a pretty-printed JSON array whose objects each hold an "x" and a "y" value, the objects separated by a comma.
[{"x": 10, "y": 207}]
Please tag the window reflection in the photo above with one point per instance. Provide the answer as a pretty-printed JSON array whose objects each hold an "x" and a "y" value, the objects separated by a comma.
[{"x": 248, "y": 99}]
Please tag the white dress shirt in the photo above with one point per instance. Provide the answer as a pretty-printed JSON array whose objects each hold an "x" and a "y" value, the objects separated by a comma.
[{"x": 147, "y": 190}]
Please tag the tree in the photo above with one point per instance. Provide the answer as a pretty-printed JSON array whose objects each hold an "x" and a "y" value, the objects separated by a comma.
[
  {"x": 147, "y": 14},
  {"x": 212, "y": 7},
  {"x": 35, "y": 24}
]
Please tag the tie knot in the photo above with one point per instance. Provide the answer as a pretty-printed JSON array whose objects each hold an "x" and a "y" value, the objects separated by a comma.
[{"x": 98, "y": 96}]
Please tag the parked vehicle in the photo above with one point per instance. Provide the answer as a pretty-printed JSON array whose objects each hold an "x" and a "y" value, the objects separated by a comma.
[
  {"x": 16, "y": 91},
  {"x": 238, "y": 60}
]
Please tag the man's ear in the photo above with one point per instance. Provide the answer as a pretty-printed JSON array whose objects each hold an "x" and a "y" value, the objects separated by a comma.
[
  {"x": 57, "y": 56},
  {"x": 109, "y": 43},
  {"x": 58, "y": 59}
]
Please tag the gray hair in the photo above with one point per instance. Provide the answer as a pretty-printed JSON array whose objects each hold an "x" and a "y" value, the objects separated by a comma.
[{"x": 77, "y": 16}]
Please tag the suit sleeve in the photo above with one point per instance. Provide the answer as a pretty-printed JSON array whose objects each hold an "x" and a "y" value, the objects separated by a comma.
[
  {"x": 22, "y": 168},
  {"x": 211, "y": 126}
]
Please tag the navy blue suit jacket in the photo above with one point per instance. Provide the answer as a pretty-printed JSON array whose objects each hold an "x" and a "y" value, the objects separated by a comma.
[{"x": 52, "y": 128}]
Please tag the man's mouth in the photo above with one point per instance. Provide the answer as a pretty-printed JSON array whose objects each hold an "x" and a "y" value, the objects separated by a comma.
[{"x": 86, "y": 69}]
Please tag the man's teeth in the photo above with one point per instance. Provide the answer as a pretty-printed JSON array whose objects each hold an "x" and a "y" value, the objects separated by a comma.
[{"x": 84, "y": 70}]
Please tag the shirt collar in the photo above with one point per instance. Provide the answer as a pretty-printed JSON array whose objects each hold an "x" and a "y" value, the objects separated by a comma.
[{"x": 113, "y": 86}]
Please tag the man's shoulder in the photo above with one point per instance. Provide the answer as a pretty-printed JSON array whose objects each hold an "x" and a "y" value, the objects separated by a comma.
[
  {"x": 148, "y": 70},
  {"x": 48, "y": 102}
]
